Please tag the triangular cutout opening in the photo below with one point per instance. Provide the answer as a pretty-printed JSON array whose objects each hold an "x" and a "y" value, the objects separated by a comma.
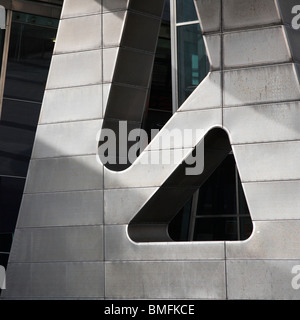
[
  {"x": 207, "y": 207},
  {"x": 217, "y": 211}
]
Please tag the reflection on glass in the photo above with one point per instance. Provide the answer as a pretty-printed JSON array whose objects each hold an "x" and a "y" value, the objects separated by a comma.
[
  {"x": 30, "y": 51},
  {"x": 215, "y": 229},
  {"x": 185, "y": 11},
  {"x": 159, "y": 105},
  {"x": 222, "y": 212},
  {"x": 193, "y": 64},
  {"x": 29, "y": 56},
  {"x": 217, "y": 196},
  {"x": 2, "y": 37}
]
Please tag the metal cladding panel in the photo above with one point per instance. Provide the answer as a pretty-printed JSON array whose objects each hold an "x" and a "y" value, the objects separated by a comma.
[
  {"x": 269, "y": 240},
  {"x": 64, "y": 174},
  {"x": 256, "y": 47},
  {"x": 209, "y": 12},
  {"x": 274, "y": 200},
  {"x": 152, "y": 280},
  {"x": 249, "y": 13},
  {"x": 268, "y": 161},
  {"x": 252, "y": 92},
  {"x": 72, "y": 243},
  {"x": 120, "y": 248},
  {"x": 207, "y": 95},
  {"x": 135, "y": 97},
  {"x": 77, "y": 8},
  {"x": 110, "y": 6},
  {"x": 128, "y": 67},
  {"x": 70, "y": 104},
  {"x": 270, "y": 279},
  {"x": 187, "y": 128},
  {"x": 266, "y": 84},
  {"x": 66, "y": 139},
  {"x": 62, "y": 209},
  {"x": 58, "y": 280},
  {"x": 239, "y": 122},
  {"x": 151, "y": 165},
  {"x": 83, "y": 68},
  {"x": 113, "y": 24},
  {"x": 129, "y": 201},
  {"x": 293, "y": 37},
  {"x": 143, "y": 37},
  {"x": 88, "y": 34},
  {"x": 213, "y": 43}
]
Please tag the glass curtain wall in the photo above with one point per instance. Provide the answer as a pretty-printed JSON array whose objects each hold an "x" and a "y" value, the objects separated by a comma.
[
  {"x": 218, "y": 210},
  {"x": 159, "y": 107},
  {"x": 29, "y": 46}
]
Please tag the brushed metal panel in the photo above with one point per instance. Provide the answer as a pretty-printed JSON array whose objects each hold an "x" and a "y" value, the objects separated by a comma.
[
  {"x": 270, "y": 240},
  {"x": 213, "y": 48},
  {"x": 209, "y": 12},
  {"x": 274, "y": 200},
  {"x": 129, "y": 66},
  {"x": 268, "y": 161},
  {"x": 79, "y": 8},
  {"x": 68, "y": 280},
  {"x": 109, "y": 6},
  {"x": 113, "y": 24},
  {"x": 126, "y": 103},
  {"x": 273, "y": 122},
  {"x": 18, "y": 281},
  {"x": 119, "y": 247},
  {"x": 207, "y": 95},
  {"x": 261, "y": 85},
  {"x": 64, "y": 174},
  {"x": 66, "y": 139},
  {"x": 151, "y": 165},
  {"x": 153, "y": 280},
  {"x": 254, "y": 47},
  {"x": 110, "y": 56},
  {"x": 76, "y": 243},
  {"x": 85, "y": 280},
  {"x": 121, "y": 204},
  {"x": 71, "y": 104},
  {"x": 79, "y": 34},
  {"x": 61, "y": 209},
  {"x": 293, "y": 41},
  {"x": 57, "y": 280},
  {"x": 141, "y": 32},
  {"x": 186, "y": 129},
  {"x": 261, "y": 279},
  {"x": 155, "y": 7},
  {"x": 75, "y": 69},
  {"x": 249, "y": 13}
]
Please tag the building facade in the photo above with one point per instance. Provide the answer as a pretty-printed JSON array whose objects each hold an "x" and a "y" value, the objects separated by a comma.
[{"x": 225, "y": 70}]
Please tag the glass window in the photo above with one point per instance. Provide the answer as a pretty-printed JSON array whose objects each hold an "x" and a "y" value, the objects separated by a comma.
[
  {"x": 193, "y": 64},
  {"x": 2, "y": 37},
  {"x": 159, "y": 106},
  {"x": 185, "y": 11},
  {"x": 11, "y": 191},
  {"x": 30, "y": 51},
  {"x": 221, "y": 211},
  {"x": 31, "y": 46}
]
